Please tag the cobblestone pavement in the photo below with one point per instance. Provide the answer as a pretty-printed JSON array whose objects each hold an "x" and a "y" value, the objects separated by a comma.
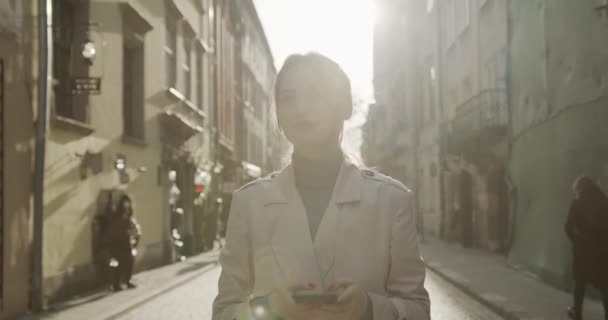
[
  {"x": 193, "y": 301},
  {"x": 449, "y": 303},
  {"x": 189, "y": 301}
]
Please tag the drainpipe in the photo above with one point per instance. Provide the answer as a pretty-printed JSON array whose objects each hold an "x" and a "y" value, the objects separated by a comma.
[
  {"x": 509, "y": 105},
  {"x": 442, "y": 123},
  {"x": 37, "y": 297}
]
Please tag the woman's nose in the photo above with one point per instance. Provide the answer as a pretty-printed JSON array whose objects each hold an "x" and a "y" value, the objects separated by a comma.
[{"x": 299, "y": 106}]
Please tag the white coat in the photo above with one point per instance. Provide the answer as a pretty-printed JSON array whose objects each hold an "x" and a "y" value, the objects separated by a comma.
[{"x": 367, "y": 235}]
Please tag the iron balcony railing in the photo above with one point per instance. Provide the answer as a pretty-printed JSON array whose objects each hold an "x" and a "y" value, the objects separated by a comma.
[{"x": 485, "y": 110}]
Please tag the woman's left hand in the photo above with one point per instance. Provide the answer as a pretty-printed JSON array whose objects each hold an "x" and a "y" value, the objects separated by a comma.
[{"x": 352, "y": 301}]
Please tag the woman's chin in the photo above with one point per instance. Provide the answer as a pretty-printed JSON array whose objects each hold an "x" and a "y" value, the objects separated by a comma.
[
  {"x": 314, "y": 150},
  {"x": 309, "y": 143}
]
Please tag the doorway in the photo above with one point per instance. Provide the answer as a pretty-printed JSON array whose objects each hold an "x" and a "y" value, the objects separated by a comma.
[{"x": 465, "y": 200}]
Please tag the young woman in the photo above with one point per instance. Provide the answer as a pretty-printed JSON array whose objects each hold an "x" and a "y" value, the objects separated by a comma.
[
  {"x": 322, "y": 227},
  {"x": 587, "y": 228}
]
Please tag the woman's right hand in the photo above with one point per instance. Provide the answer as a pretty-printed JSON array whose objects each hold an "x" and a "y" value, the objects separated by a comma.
[{"x": 284, "y": 307}]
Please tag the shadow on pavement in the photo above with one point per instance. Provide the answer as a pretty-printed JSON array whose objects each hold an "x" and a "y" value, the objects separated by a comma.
[
  {"x": 194, "y": 266},
  {"x": 96, "y": 296},
  {"x": 49, "y": 313}
]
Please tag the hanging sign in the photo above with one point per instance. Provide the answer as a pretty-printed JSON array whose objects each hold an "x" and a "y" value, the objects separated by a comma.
[{"x": 86, "y": 85}]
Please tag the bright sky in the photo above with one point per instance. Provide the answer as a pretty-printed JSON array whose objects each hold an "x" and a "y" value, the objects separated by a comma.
[{"x": 340, "y": 29}]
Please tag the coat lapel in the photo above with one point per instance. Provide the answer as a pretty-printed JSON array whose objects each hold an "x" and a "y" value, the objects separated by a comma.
[
  {"x": 291, "y": 241},
  {"x": 302, "y": 259},
  {"x": 346, "y": 194}
]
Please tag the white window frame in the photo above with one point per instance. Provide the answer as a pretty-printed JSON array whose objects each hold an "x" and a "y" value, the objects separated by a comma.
[{"x": 186, "y": 67}]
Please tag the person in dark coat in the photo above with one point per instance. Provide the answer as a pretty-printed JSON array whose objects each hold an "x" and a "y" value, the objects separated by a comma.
[
  {"x": 123, "y": 236},
  {"x": 587, "y": 228}
]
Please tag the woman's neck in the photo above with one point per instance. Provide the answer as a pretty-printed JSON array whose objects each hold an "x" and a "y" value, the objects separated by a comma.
[
  {"x": 318, "y": 154},
  {"x": 317, "y": 172}
]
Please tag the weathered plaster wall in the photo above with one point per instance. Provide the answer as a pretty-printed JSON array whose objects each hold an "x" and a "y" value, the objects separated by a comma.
[
  {"x": 19, "y": 55},
  {"x": 559, "y": 93}
]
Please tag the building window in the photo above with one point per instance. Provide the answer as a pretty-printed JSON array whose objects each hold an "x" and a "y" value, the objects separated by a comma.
[
  {"x": 211, "y": 88},
  {"x": 432, "y": 92},
  {"x": 199, "y": 88},
  {"x": 467, "y": 87},
  {"x": 211, "y": 34},
  {"x": 133, "y": 88},
  {"x": 492, "y": 75},
  {"x": 430, "y": 5},
  {"x": 257, "y": 102},
  {"x": 64, "y": 15},
  {"x": 456, "y": 19},
  {"x": 170, "y": 50},
  {"x": 453, "y": 97},
  {"x": 187, "y": 68}
]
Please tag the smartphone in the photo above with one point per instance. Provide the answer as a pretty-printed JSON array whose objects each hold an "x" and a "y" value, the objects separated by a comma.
[{"x": 314, "y": 298}]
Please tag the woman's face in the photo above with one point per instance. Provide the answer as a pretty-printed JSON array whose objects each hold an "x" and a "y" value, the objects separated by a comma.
[{"x": 308, "y": 111}]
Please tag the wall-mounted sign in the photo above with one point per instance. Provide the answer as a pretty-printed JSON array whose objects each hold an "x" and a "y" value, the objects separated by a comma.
[{"x": 86, "y": 85}]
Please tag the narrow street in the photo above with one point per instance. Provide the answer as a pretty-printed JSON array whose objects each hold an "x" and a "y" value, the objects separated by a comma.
[
  {"x": 193, "y": 301},
  {"x": 138, "y": 137}
]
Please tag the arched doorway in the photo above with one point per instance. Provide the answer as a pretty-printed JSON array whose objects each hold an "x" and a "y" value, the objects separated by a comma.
[
  {"x": 465, "y": 207},
  {"x": 499, "y": 225}
]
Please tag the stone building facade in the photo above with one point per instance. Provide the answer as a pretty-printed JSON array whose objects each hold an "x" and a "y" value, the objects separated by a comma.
[
  {"x": 446, "y": 111},
  {"x": 507, "y": 102},
  {"x": 19, "y": 86},
  {"x": 558, "y": 93},
  {"x": 141, "y": 100}
]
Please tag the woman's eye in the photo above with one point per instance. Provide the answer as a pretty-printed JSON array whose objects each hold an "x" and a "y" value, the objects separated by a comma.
[{"x": 315, "y": 92}]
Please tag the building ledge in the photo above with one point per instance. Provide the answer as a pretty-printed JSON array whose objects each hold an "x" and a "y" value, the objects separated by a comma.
[
  {"x": 226, "y": 143},
  {"x": 194, "y": 108},
  {"x": 134, "y": 141},
  {"x": 206, "y": 46},
  {"x": 71, "y": 125},
  {"x": 177, "y": 96}
]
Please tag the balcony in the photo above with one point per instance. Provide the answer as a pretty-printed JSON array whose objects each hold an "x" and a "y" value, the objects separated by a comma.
[{"x": 483, "y": 118}]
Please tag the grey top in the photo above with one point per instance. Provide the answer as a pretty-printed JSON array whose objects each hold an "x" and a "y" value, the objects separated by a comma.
[{"x": 315, "y": 180}]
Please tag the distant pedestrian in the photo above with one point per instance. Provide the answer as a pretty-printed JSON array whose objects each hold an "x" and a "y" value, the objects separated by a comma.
[
  {"x": 123, "y": 236},
  {"x": 587, "y": 228},
  {"x": 323, "y": 238},
  {"x": 211, "y": 223}
]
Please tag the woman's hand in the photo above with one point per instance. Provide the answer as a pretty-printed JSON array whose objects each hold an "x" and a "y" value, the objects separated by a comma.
[
  {"x": 282, "y": 304},
  {"x": 352, "y": 301}
]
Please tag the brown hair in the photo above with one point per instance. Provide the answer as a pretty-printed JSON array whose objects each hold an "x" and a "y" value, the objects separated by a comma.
[
  {"x": 593, "y": 199},
  {"x": 331, "y": 76},
  {"x": 588, "y": 189}
]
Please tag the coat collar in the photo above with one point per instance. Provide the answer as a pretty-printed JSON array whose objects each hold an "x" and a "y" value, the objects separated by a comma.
[{"x": 347, "y": 188}]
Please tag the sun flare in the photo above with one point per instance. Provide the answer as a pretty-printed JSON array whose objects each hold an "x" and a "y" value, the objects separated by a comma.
[{"x": 340, "y": 29}]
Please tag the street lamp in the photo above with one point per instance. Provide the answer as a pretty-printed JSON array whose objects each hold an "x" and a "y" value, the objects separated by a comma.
[
  {"x": 120, "y": 164},
  {"x": 89, "y": 51}
]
